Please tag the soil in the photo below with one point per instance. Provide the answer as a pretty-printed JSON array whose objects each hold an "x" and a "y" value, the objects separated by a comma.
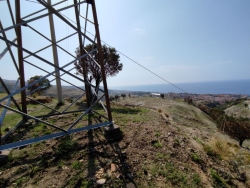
[{"x": 165, "y": 143}]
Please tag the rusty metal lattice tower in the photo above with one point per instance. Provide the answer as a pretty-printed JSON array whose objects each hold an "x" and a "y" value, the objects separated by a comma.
[{"x": 22, "y": 51}]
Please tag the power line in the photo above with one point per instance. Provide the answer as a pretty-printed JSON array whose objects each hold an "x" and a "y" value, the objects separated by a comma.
[{"x": 133, "y": 60}]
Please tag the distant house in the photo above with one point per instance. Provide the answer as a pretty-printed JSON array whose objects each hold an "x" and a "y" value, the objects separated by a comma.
[{"x": 155, "y": 95}]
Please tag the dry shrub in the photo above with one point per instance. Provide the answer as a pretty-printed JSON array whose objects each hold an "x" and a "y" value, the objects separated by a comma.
[
  {"x": 84, "y": 99},
  {"x": 159, "y": 110},
  {"x": 219, "y": 147},
  {"x": 34, "y": 95}
]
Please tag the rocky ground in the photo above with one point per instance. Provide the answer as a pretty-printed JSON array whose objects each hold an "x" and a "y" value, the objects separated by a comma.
[{"x": 166, "y": 143}]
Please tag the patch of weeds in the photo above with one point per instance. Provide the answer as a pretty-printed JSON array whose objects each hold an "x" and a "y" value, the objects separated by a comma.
[
  {"x": 44, "y": 162},
  {"x": 210, "y": 151},
  {"x": 53, "y": 121},
  {"x": 66, "y": 147},
  {"x": 173, "y": 175},
  {"x": 162, "y": 156},
  {"x": 198, "y": 140},
  {"x": 157, "y": 134},
  {"x": 20, "y": 170},
  {"x": 159, "y": 110},
  {"x": 196, "y": 158},
  {"x": 33, "y": 170},
  {"x": 157, "y": 144},
  {"x": 11, "y": 120},
  {"x": 176, "y": 141},
  {"x": 196, "y": 179},
  {"x": 16, "y": 155},
  {"x": 73, "y": 181},
  {"x": 39, "y": 128},
  {"x": 86, "y": 184},
  {"x": 77, "y": 165},
  {"x": 47, "y": 131},
  {"x": 20, "y": 181},
  {"x": 218, "y": 181},
  {"x": 155, "y": 170}
]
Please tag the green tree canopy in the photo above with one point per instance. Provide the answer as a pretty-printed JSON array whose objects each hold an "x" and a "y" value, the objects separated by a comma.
[
  {"x": 111, "y": 60},
  {"x": 40, "y": 86}
]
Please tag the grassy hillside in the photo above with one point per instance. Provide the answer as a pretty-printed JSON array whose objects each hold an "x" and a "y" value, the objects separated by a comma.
[
  {"x": 241, "y": 109},
  {"x": 166, "y": 143}
]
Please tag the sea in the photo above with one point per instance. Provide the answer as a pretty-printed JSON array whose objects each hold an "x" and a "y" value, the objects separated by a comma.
[{"x": 212, "y": 87}]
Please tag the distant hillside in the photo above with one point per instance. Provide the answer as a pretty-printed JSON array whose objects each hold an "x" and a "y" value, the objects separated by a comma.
[
  {"x": 69, "y": 91},
  {"x": 9, "y": 83}
]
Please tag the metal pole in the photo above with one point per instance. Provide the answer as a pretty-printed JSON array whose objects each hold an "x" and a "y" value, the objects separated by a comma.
[
  {"x": 55, "y": 55},
  {"x": 9, "y": 48},
  {"x": 8, "y": 103},
  {"x": 99, "y": 45},
  {"x": 11, "y": 13},
  {"x": 82, "y": 52},
  {"x": 20, "y": 59},
  {"x": 41, "y": 16},
  {"x": 8, "y": 92},
  {"x": 6, "y": 50}
]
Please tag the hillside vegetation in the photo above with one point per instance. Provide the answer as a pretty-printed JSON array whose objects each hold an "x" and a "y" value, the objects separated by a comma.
[{"x": 166, "y": 143}]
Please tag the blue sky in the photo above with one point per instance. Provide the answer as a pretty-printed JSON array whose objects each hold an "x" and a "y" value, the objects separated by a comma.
[{"x": 181, "y": 41}]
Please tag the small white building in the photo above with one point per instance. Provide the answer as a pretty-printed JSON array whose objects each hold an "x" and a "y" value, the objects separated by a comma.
[{"x": 155, "y": 95}]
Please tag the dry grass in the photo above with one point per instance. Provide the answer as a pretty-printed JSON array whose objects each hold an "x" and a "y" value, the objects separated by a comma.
[{"x": 222, "y": 148}]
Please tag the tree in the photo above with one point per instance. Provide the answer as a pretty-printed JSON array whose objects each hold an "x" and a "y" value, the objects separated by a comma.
[
  {"x": 40, "y": 86},
  {"x": 162, "y": 95},
  {"x": 123, "y": 96},
  {"x": 117, "y": 97},
  {"x": 189, "y": 100},
  {"x": 111, "y": 98},
  {"x": 111, "y": 61},
  {"x": 237, "y": 128}
]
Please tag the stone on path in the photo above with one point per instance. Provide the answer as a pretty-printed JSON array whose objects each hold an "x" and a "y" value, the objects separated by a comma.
[
  {"x": 4, "y": 156},
  {"x": 101, "y": 181}
]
